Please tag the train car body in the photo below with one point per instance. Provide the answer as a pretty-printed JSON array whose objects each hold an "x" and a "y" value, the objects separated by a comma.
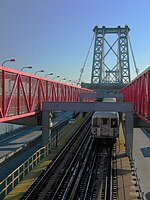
[{"x": 105, "y": 124}]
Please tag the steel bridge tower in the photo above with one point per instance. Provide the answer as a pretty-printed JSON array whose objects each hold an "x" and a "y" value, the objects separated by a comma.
[{"x": 117, "y": 71}]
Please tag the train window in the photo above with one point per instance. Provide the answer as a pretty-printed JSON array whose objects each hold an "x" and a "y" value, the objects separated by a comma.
[
  {"x": 94, "y": 121},
  {"x": 98, "y": 122},
  {"x": 105, "y": 121},
  {"x": 113, "y": 123}
]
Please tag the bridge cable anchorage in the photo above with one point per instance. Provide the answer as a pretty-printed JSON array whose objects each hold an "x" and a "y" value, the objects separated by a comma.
[
  {"x": 133, "y": 57},
  {"x": 82, "y": 69}
]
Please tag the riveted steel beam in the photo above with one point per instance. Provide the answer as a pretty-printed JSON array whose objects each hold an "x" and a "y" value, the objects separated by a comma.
[{"x": 128, "y": 108}]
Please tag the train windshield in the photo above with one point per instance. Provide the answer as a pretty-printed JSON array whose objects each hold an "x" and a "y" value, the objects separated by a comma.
[
  {"x": 96, "y": 122},
  {"x": 113, "y": 123}
]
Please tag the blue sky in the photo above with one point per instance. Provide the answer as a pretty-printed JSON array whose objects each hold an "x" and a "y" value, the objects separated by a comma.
[{"x": 55, "y": 35}]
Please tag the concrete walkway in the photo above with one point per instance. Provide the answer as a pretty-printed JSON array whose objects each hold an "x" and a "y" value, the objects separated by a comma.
[
  {"x": 141, "y": 154},
  {"x": 126, "y": 187}
]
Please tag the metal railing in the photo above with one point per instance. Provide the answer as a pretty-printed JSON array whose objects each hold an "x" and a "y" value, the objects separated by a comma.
[
  {"x": 19, "y": 92},
  {"x": 8, "y": 155},
  {"x": 19, "y": 173},
  {"x": 136, "y": 177}
]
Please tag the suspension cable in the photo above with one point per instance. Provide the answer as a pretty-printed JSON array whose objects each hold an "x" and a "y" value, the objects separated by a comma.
[
  {"x": 82, "y": 69},
  {"x": 136, "y": 69}
]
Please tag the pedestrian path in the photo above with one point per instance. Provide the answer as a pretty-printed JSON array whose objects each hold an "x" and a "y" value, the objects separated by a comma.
[{"x": 141, "y": 155}]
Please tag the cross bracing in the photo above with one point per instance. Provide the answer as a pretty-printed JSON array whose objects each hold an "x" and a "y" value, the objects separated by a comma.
[{"x": 118, "y": 72}]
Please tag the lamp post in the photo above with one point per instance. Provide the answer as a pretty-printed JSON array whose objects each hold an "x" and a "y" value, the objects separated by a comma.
[
  {"x": 9, "y": 60},
  {"x": 39, "y": 71},
  {"x": 55, "y": 77},
  {"x": 62, "y": 79},
  {"x": 29, "y": 67},
  {"x": 68, "y": 81},
  {"x": 48, "y": 75},
  {"x": 73, "y": 82}
]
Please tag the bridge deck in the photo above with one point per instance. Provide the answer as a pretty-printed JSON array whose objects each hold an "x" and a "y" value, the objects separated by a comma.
[{"x": 125, "y": 180}]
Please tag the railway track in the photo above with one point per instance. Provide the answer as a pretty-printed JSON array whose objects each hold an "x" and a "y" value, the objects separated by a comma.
[
  {"x": 81, "y": 171},
  {"x": 93, "y": 180}
]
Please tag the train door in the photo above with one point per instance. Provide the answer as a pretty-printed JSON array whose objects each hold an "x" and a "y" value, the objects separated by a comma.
[
  {"x": 105, "y": 126},
  {"x": 114, "y": 127},
  {"x": 98, "y": 126}
]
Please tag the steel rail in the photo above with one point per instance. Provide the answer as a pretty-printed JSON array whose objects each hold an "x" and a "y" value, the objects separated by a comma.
[
  {"x": 81, "y": 173},
  {"x": 84, "y": 177},
  {"x": 93, "y": 180},
  {"x": 65, "y": 177},
  {"x": 103, "y": 174},
  {"x": 72, "y": 171},
  {"x": 114, "y": 181},
  {"x": 40, "y": 182},
  {"x": 82, "y": 170}
]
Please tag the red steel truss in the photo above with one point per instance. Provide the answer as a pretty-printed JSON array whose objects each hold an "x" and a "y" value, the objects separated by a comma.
[
  {"x": 138, "y": 91},
  {"x": 21, "y": 94}
]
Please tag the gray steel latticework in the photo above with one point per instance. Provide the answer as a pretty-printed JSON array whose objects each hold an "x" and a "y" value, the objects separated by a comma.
[{"x": 118, "y": 72}]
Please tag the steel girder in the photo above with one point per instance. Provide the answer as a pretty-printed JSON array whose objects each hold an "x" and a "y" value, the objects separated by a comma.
[
  {"x": 124, "y": 65},
  {"x": 97, "y": 72}
]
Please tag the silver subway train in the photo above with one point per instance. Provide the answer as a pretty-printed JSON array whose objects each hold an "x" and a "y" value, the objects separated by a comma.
[{"x": 105, "y": 124}]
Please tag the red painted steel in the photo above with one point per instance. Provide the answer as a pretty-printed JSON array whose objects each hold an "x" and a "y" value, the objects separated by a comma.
[
  {"x": 22, "y": 94},
  {"x": 138, "y": 91}
]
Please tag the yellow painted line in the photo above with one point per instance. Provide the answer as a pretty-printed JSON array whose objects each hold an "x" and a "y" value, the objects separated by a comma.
[{"x": 121, "y": 140}]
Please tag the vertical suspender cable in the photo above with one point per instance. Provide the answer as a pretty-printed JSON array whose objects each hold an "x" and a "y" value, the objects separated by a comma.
[
  {"x": 82, "y": 69},
  {"x": 136, "y": 69}
]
